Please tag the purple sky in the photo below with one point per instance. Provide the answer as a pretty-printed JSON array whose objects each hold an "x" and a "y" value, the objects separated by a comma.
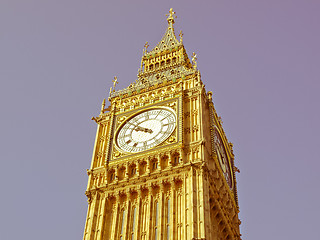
[{"x": 261, "y": 59}]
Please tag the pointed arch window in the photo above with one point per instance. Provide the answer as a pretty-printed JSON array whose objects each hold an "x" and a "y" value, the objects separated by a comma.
[
  {"x": 122, "y": 224},
  {"x": 154, "y": 165},
  {"x": 156, "y": 221},
  {"x": 133, "y": 222},
  {"x": 112, "y": 176},
  {"x": 168, "y": 219}
]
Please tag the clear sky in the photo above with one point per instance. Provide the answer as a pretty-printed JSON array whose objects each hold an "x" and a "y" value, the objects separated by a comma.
[{"x": 261, "y": 59}]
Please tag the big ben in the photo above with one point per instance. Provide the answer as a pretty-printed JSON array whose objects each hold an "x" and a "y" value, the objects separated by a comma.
[{"x": 162, "y": 167}]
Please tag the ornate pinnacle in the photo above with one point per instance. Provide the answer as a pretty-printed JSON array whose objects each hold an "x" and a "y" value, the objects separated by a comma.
[
  {"x": 115, "y": 82},
  {"x": 145, "y": 50},
  {"x": 110, "y": 91},
  {"x": 181, "y": 36},
  {"x": 194, "y": 60},
  {"x": 103, "y": 105},
  {"x": 171, "y": 17},
  {"x": 146, "y": 45}
]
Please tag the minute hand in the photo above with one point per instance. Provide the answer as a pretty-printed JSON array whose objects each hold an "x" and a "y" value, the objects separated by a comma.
[{"x": 142, "y": 129}]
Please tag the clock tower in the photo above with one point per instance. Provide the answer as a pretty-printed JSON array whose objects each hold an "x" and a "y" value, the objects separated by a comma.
[{"x": 162, "y": 167}]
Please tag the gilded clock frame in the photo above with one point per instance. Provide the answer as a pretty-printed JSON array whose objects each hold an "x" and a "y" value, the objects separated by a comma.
[
  {"x": 174, "y": 105},
  {"x": 228, "y": 156},
  {"x": 136, "y": 114}
]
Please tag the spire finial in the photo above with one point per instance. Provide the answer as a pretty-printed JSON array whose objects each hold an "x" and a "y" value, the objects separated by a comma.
[
  {"x": 115, "y": 82},
  {"x": 181, "y": 36},
  {"x": 103, "y": 105},
  {"x": 146, "y": 45},
  {"x": 145, "y": 50},
  {"x": 172, "y": 16},
  {"x": 113, "y": 89},
  {"x": 194, "y": 60}
]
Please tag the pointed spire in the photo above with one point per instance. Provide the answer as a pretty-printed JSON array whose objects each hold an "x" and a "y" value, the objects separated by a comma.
[
  {"x": 115, "y": 82},
  {"x": 169, "y": 39},
  {"x": 194, "y": 60},
  {"x": 103, "y": 105},
  {"x": 145, "y": 50},
  {"x": 168, "y": 60},
  {"x": 181, "y": 36}
]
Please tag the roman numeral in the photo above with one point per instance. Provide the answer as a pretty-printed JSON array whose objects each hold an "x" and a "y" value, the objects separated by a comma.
[
  {"x": 158, "y": 113},
  {"x": 165, "y": 116}
]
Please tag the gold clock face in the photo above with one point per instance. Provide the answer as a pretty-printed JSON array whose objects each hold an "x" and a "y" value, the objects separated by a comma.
[
  {"x": 223, "y": 159},
  {"x": 146, "y": 130}
]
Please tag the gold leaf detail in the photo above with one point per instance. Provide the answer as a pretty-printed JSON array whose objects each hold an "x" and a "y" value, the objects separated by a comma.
[
  {"x": 172, "y": 139},
  {"x": 117, "y": 154}
]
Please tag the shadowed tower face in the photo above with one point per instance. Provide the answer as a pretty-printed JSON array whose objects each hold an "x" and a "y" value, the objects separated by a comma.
[{"x": 162, "y": 167}]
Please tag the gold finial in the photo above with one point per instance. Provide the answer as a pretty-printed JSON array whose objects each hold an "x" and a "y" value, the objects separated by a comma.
[
  {"x": 103, "y": 105},
  {"x": 171, "y": 12},
  {"x": 146, "y": 45},
  {"x": 94, "y": 119},
  {"x": 210, "y": 95},
  {"x": 194, "y": 60},
  {"x": 112, "y": 89},
  {"x": 115, "y": 82},
  {"x": 172, "y": 16},
  {"x": 181, "y": 36}
]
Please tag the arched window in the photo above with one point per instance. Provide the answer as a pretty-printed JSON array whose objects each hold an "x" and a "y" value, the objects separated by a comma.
[
  {"x": 112, "y": 176},
  {"x": 156, "y": 222},
  {"x": 122, "y": 224},
  {"x": 133, "y": 171},
  {"x": 133, "y": 222},
  {"x": 154, "y": 165},
  {"x": 168, "y": 219},
  {"x": 176, "y": 159}
]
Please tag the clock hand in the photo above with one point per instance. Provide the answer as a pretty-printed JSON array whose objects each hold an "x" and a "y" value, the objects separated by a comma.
[
  {"x": 149, "y": 130},
  {"x": 138, "y": 128}
]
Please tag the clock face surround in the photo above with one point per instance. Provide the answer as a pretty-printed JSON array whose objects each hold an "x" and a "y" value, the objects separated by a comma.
[
  {"x": 223, "y": 158},
  {"x": 146, "y": 130}
]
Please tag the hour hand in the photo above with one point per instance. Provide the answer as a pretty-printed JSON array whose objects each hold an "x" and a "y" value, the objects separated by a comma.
[{"x": 142, "y": 129}]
